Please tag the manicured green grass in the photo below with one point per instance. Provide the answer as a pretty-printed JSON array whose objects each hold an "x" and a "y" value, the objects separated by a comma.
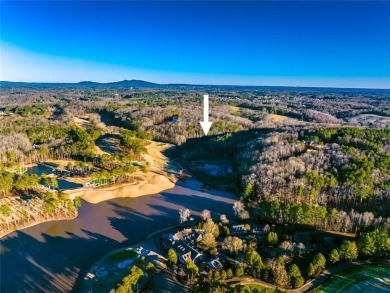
[
  {"x": 103, "y": 181},
  {"x": 260, "y": 287},
  {"x": 345, "y": 280},
  {"x": 124, "y": 254},
  {"x": 257, "y": 286}
]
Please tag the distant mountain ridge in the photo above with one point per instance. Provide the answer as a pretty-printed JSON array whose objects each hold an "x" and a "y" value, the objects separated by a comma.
[
  {"x": 135, "y": 83},
  {"x": 123, "y": 83}
]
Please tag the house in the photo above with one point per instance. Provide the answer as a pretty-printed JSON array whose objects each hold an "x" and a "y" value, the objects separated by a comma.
[
  {"x": 175, "y": 119},
  {"x": 310, "y": 144},
  {"x": 193, "y": 236},
  {"x": 218, "y": 262},
  {"x": 259, "y": 229},
  {"x": 189, "y": 235},
  {"x": 184, "y": 249},
  {"x": 215, "y": 264},
  {"x": 238, "y": 230}
]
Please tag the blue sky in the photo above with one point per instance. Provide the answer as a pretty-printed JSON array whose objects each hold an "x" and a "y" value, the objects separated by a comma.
[{"x": 312, "y": 43}]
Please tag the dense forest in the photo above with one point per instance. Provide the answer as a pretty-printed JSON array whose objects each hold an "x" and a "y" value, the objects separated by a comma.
[
  {"x": 339, "y": 176},
  {"x": 297, "y": 161}
]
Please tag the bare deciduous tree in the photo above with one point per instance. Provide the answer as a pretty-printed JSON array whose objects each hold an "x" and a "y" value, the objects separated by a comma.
[
  {"x": 184, "y": 215},
  {"x": 206, "y": 214}
]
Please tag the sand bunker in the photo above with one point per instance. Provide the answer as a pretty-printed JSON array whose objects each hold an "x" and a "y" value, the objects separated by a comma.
[
  {"x": 101, "y": 272},
  {"x": 124, "y": 264}
]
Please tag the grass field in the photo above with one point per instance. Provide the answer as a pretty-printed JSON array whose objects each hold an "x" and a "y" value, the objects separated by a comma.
[
  {"x": 259, "y": 287},
  {"x": 123, "y": 255},
  {"x": 367, "y": 119},
  {"x": 103, "y": 181},
  {"x": 234, "y": 108},
  {"x": 345, "y": 281}
]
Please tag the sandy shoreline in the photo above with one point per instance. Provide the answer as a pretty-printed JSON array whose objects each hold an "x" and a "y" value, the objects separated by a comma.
[
  {"x": 154, "y": 181},
  {"x": 145, "y": 184}
]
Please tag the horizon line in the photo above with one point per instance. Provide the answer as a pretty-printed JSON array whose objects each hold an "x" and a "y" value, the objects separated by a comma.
[{"x": 192, "y": 84}]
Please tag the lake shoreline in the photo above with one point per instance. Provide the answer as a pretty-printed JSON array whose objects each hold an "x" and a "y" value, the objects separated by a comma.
[
  {"x": 157, "y": 179},
  {"x": 142, "y": 184},
  {"x": 154, "y": 181},
  {"x": 151, "y": 185},
  {"x": 41, "y": 220}
]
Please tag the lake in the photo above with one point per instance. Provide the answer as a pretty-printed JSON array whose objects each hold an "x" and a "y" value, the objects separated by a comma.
[
  {"x": 62, "y": 183},
  {"x": 39, "y": 170},
  {"x": 51, "y": 256}
]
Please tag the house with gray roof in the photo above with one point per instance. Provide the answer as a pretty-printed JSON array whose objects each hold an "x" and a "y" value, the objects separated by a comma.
[{"x": 184, "y": 249}]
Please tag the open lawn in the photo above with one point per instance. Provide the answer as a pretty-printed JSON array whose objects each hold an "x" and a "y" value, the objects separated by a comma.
[
  {"x": 234, "y": 109},
  {"x": 370, "y": 119},
  {"x": 103, "y": 181},
  {"x": 372, "y": 278},
  {"x": 283, "y": 120},
  {"x": 257, "y": 286},
  {"x": 124, "y": 254}
]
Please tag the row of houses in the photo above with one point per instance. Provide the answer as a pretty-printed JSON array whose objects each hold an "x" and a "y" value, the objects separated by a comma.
[
  {"x": 187, "y": 252},
  {"x": 242, "y": 229},
  {"x": 184, "y": 244}
]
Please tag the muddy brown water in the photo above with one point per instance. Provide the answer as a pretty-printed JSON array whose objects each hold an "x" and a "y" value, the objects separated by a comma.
[{"x": 50, "y": 257}]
